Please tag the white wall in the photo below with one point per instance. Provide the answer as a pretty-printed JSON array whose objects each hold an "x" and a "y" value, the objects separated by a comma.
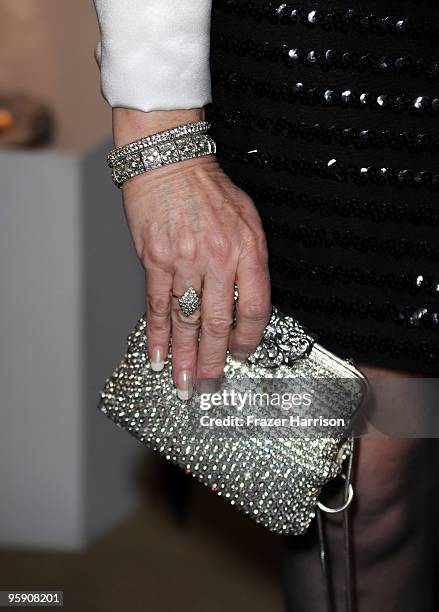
[{"x": 70, "y": 291}]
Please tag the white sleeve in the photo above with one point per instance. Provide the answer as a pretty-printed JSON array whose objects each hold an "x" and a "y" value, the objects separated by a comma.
[{"x": 154, "y": 54}]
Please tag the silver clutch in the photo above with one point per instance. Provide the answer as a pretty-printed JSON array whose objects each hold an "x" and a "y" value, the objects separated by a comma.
[{"x": 273, "y": 474}]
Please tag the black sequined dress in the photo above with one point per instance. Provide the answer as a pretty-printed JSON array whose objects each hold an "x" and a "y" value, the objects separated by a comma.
[{"x": 328, "y": 116}]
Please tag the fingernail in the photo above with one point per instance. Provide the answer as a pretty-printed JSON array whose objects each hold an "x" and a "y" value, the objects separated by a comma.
[
  {"x": 184, "y": 386},
  {"x": 157, "y": 359},
  {"x": 207, "y": 386}
]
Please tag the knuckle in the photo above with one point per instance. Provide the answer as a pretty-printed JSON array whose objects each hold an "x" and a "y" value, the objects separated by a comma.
[
  {"x": 211, "y": 369},
  {"x": 192, "y": 322},
  {"x": 256, "y": 248},
  {"x": 256, "y": 310},
  {"x": 156, "y": 253},
  {"x": 241, "y": 197},
  {"x": 186, "y": 247},
  {"x": 245, "y": 343},
  {"x": 157, "y": 327},
  {"x": 159, "y": 306},
  {"x": 218, "y": 327},
  {"x": 220, "y": 245}
]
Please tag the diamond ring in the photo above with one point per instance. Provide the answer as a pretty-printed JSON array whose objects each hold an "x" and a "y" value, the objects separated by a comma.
[{"x": 189, "y": 302}]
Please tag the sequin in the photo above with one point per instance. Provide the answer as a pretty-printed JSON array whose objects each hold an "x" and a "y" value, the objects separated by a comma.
[
  {"x": 402, "y": 247},
  {"x": 281, "y": 8},
  {"x": 338, "y": 172},
  {"x": 420, "y": 102},
  {"x": 329, "y": 56},
  {"x": 425, "y": 352},
  {"x": 313, "y": 95},
  {"x": 378, "y": 144},
  {"x": 312, "y": 17},
  {"x": 293, "y": 54},
  {"x": 359, "y": 277},
  {"x": 385, "y": 311},
  {"x": 343, "y": 21},
  {"x": 326, "y": 58},
  {"x": 417, "y": 315}
]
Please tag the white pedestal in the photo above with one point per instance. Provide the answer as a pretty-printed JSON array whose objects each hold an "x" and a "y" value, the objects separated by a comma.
[{"x": 70, "y": 291}]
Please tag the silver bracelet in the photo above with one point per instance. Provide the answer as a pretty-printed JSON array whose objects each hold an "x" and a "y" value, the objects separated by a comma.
[
  {"x": 164, "y": 153},
  {"x": 186, "y": 129}
]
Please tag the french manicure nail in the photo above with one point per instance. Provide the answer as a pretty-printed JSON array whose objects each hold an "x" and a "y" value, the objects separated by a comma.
[
  {"x": 157, "y": 360},
  {"x": 184, "y": 386}
]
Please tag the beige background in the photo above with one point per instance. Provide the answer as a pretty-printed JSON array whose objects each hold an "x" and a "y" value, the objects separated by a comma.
[{"x": 47, "y": 49}]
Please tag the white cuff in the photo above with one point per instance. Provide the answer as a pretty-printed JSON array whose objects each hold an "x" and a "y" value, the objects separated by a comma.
[{"x": 154, "y": 54}]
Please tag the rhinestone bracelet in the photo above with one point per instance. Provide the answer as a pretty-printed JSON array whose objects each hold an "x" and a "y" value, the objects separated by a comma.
[
  {"x": 160, "y": 154},
  {"x": 193, "y": 127}
]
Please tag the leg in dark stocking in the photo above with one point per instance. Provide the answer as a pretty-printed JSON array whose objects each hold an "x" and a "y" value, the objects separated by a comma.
[{"x": 393, "y": 534}]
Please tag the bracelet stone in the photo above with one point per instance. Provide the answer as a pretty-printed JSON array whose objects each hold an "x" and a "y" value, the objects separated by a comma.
[
  {"x": 161, "y": 154},
  {"x": 186, "y": 129}
]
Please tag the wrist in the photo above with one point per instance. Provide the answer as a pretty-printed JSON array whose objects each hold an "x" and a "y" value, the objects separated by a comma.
[{"x": 130, "y": 124}]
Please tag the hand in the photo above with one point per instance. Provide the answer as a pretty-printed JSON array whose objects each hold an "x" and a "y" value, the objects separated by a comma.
[{"x": 191, "y": 226}]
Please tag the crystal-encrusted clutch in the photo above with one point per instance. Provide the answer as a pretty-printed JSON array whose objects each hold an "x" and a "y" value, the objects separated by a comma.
[{"x": 274, "y": 474}]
